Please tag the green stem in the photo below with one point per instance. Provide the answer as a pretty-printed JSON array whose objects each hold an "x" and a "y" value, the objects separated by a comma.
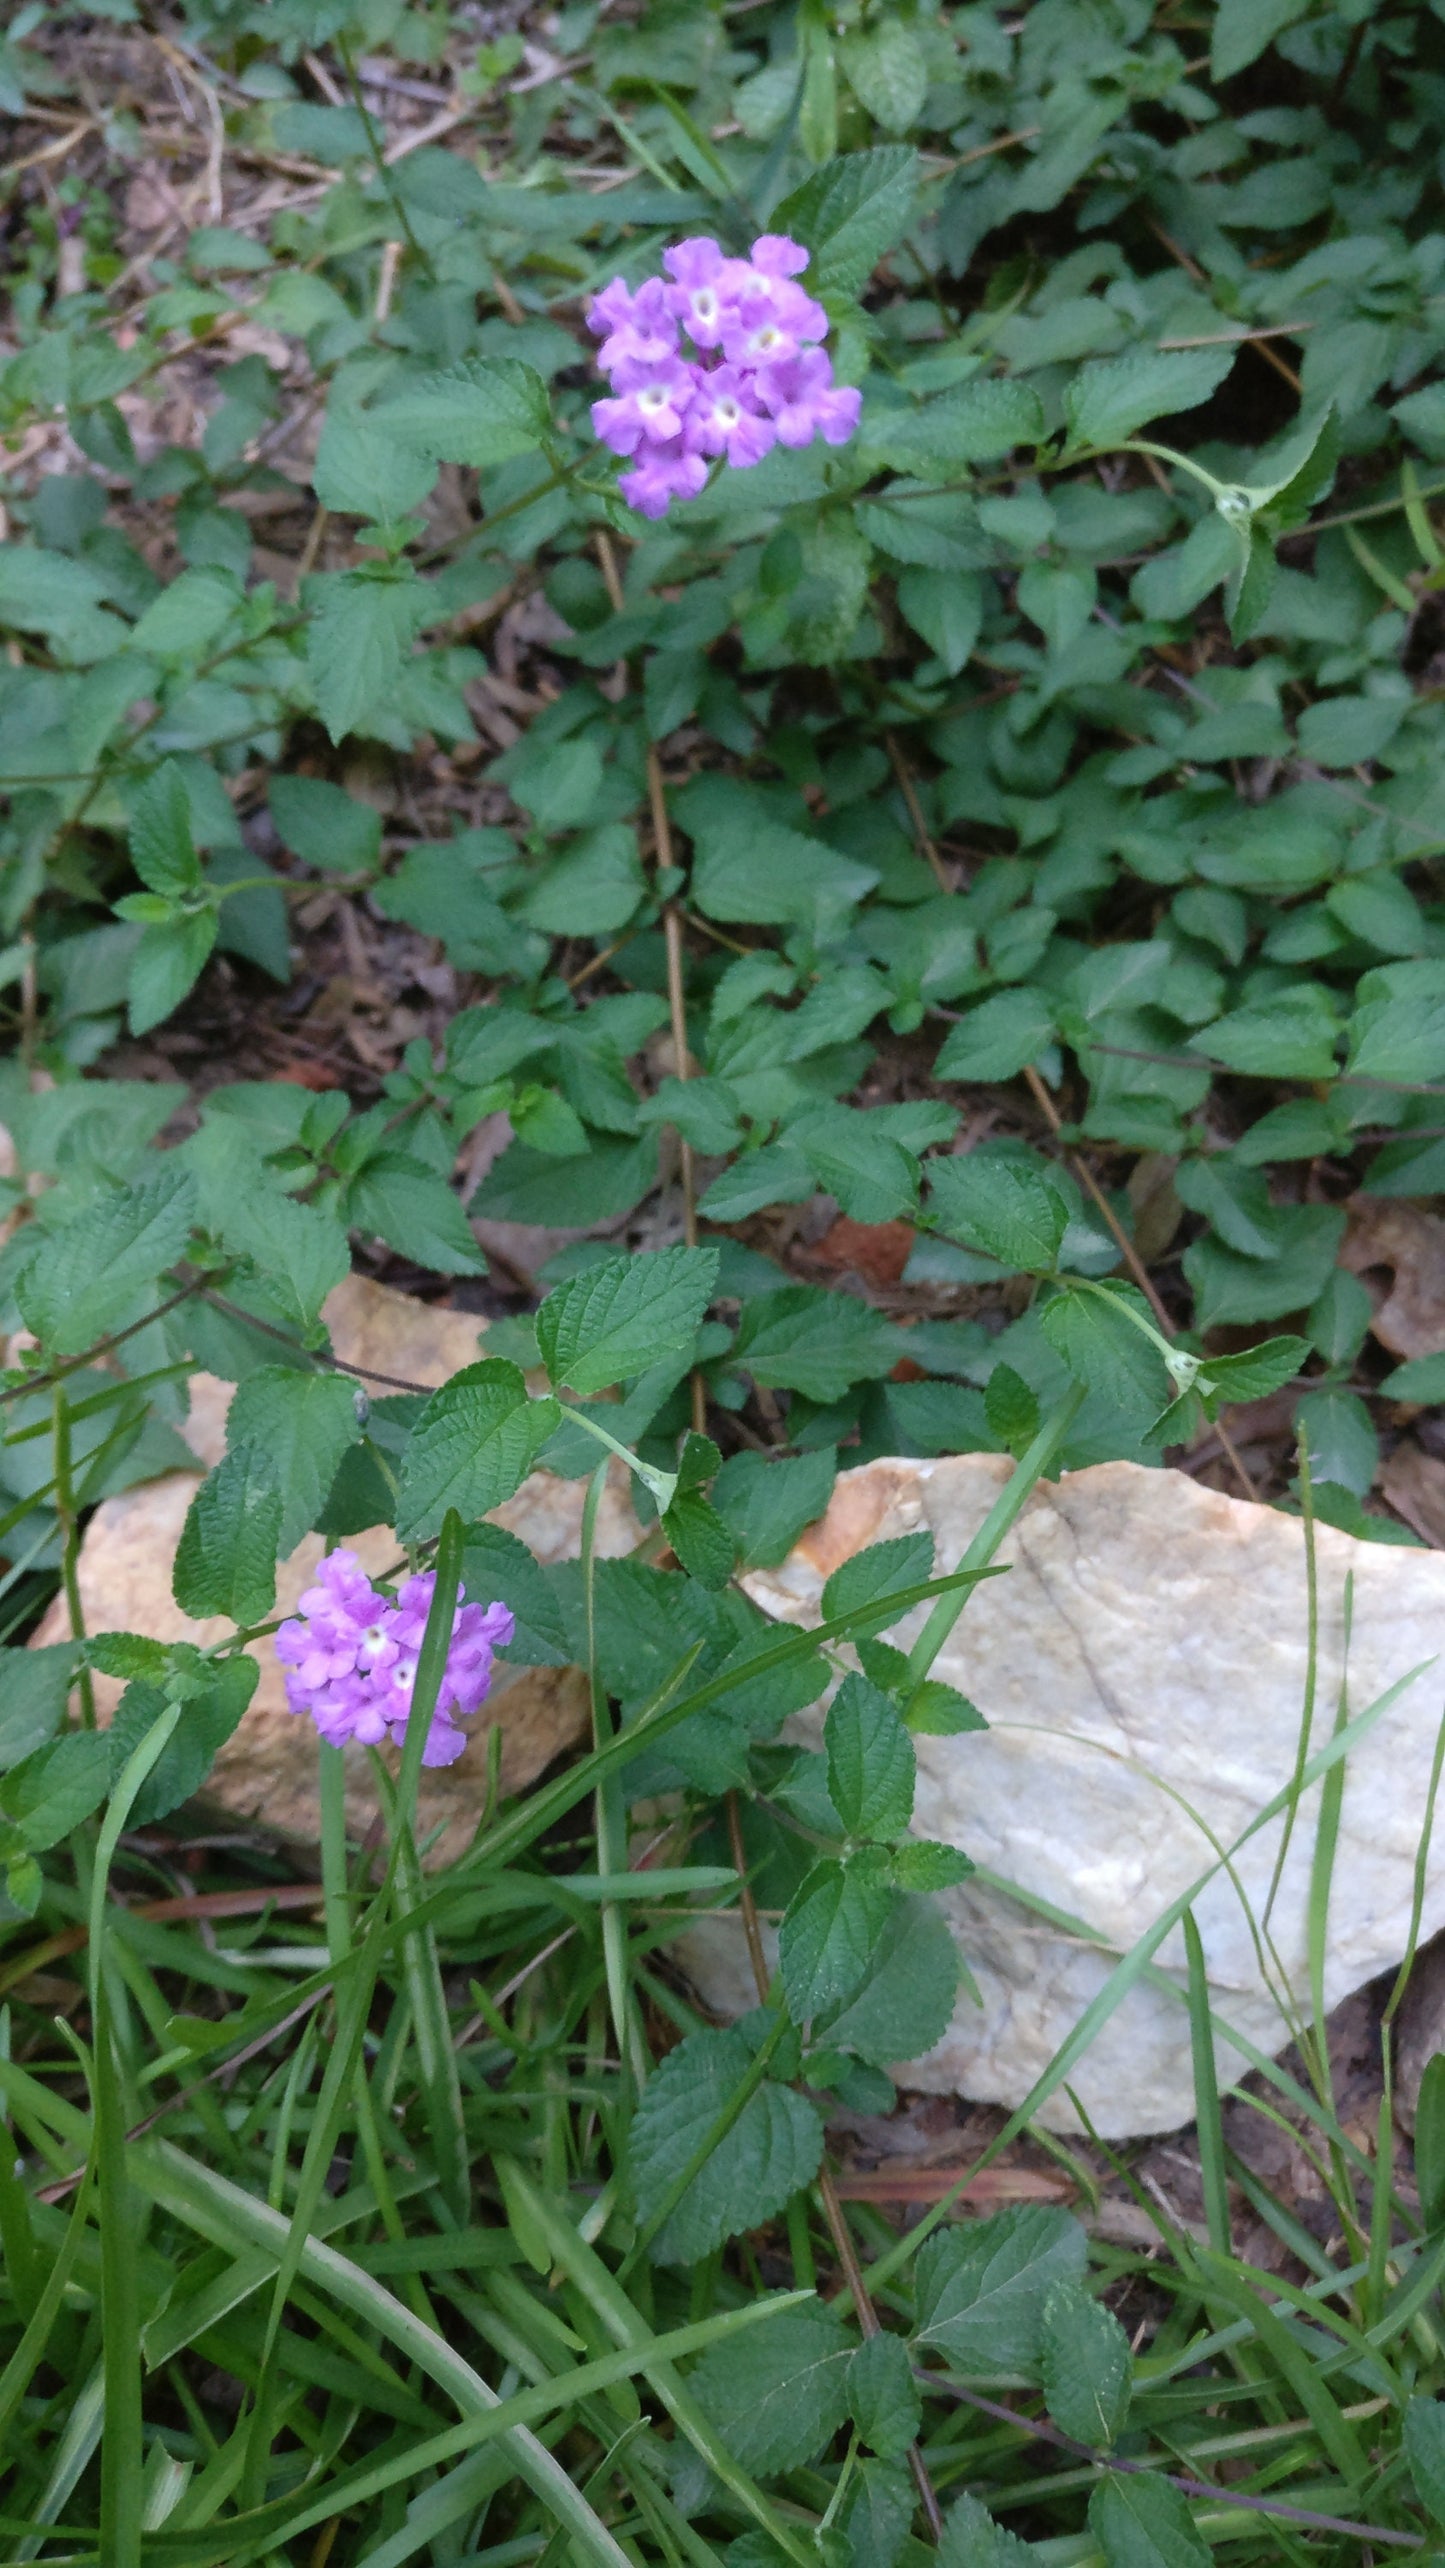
[
  {"x": 67, "y": 1511},
  {"x": 609, "y": 1813},
  {"x": 662, "y": 1484},
  {"x": 1007, "y": 1507},
  {"x": 388, "y": 184}
]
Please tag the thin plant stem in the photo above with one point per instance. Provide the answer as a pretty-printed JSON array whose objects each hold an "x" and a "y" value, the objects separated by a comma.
[
  {"x": 1009, "y": 1505},
  {"x": 376, "y": 148},
  {"x": 610, "y": 1819},
  {"x": 69, "y": 1515}
]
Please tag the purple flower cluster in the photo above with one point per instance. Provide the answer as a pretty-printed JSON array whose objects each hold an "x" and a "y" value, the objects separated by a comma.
[
  {"x": 351, "y": 1658},
  {"x": 758, "y": 377}
]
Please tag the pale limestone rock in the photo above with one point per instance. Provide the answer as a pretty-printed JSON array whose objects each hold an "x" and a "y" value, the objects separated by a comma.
[
  {"x": 1142, "y": 1667},
  {"x": 267, "y": 1771}
]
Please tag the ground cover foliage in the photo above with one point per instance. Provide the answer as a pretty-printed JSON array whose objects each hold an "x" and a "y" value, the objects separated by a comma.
[{"x": 989, "y": 826}]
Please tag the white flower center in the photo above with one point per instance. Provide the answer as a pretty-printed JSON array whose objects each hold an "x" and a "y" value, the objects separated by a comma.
[
  {"x": 653, "y": 397},
  {"x": 704, "y": 302},
  {"x": 728, "y": 413}
]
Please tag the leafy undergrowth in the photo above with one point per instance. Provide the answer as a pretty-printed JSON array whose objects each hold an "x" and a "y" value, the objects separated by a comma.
[{"x": 992, "y": 862}]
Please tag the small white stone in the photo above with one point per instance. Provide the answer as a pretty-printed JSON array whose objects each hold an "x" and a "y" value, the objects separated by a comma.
[{"x": 1143, "y": 1671}]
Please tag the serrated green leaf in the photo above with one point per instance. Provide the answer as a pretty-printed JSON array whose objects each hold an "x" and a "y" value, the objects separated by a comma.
[
  {"x": 767, "y": 1502},
  {"x": 166, "y": 966},
  {"x": 971, "y": 2539},
  {"x": 1144, "y": 2522},
  {"x": 362, "y": 470},
  {"x": 1257, "y": 1370},
  {"x": 34, "y": 1687},
  {"x": 778, "y": 2399},
  {"x": 211, "y": 1717},
  {"x": 921, "y": 1865},
  {"x": 998, "y": 1038},
  {"x": 1010, "y": 1209},
  {"x": 773, "y": 2147},
  {"x": 887, "y": 70},
  {"x": 885, "y": 2400},
  {"x": 1088, "y": 2369},
  {"x": 870, "y": 1577},
  {"x": 49, "y": 1792},
  {"x": 700, "y": 1539},
  {"x": 617, "y": 1318},
  {"x": 1102, "y": 1346},
  {"x": 472, "y": 1447},
  {"x": 871, "y": 1765},
  {"x": 359, "y": 636},
  {"x": 414, "y": 1210},
  {"x": 906, "y": 2002},
  {"x": 981, "y": 2290},
  {"x": 1111, "y": 398},
  {"x": 849, "y": 213},
  {"x": 322, "y": 825},
  {"x": 87, "y": 1277},
  {"x": 804, "y": 1339},
  {"x": 831, "y": 1930},
  {"x": 482, "y": 411},
  {"x": 226, "y": 1559},
  {"x": 161, "y": 846},
  {"x": 303, "y": 1423},
  {"x": 300, "y": 1251}
]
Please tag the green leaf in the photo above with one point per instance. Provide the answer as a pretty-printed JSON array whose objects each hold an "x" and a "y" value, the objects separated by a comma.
[
  {"x": 1248, "y": 589},
  {"x": 1113, "y": 397},
  {"x": 700, "y": 1539},
  {"x": 802, "y": 1338},
  {"x": 531, "y": 1186},
  {"x": 34, "y": 1687},
  {"x": 906, "y": 2002},
  {"x": 1422, "y": 1379},
  {"x": 871, "y": 1765},
  {"x": 361, "y": 470},
  {"x": 1257, "y": 1371},
  {"x": 188, "y": 617},
  {"x": 849, "y": 213},
  {"x": 617, "y": 1318},
  {"x": 49, "y": 1792},
  {"x": 946, "y": 607},
  {"x": 1290, "y": 1036},
  {"x": 778, "y": 2398},
  {"x": 774, "y": 2147},
  {"x": 872, "y": 1176},
  {"x": 324, "y": 826},
  {"x": 1010, "y": 1208},
  {"x": 361, "y": 627},
  {"x": 1011, "y": 1408},
  {"x": 831, "y": 1931},
  {"x": 998, "y": 1038},
  {"x": 303, "y": 1423},
  {"x": 1087, "y": 2366},
  {"x": 300, "y": 1252},
  {"x": 210, "y": 1718},
  {"x": 1244, "y": 29},
  {"x": 971, "y": 2539},
  {"x": 226, "y": 1559},
  {"x": 482, "y": 411},
  {"x": 753, "y": 868},
  {"x": 872, "y": 1576},
  {"x": 166, "y": 966},
  {"x": 593, "y": 889},
  {"x": 1425, "y": 2452},
  {"x": 887, "y": 71},
  {"x": 1103, "y": 1348},
  {"x": 1144, "y": 2522},
  {"x": 981, "y": 2289},
  {"x": 1228, "y": 1288},
  {"x": 766, "y": 1502},
  {"x": 975, "y": 423},
  {"x": 883, "y": 2396},
  {"x": 1399, "y": 1037},
  {"x": 162, "y": 849},
  {"x": 90, "y": 1276},
  {"x": 472, "y": 1447},
  {"x": 921, "y": 1865},
  {"x": 1340, "y": 1434},
  {"x": 937, "y": 1711},
  {"x": 414, "y": 1210}
]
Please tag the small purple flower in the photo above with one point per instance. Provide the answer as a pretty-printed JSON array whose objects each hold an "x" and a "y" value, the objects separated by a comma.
[
  {"x": 635, "y": 328},
  {"x": 806, "y": 403},
  {"x": 759, "y": 376},
  {"x": 662, "y": 474},
  {"x": 652, "y": 406},
  {"x": 705, "y": 285},
  {"x": 726, "y": 420},
  {"x": 351, "y": 1658}
]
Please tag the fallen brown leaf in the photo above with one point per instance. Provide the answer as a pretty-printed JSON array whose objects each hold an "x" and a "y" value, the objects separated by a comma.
[{"x": 1398, "y": 1251}]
